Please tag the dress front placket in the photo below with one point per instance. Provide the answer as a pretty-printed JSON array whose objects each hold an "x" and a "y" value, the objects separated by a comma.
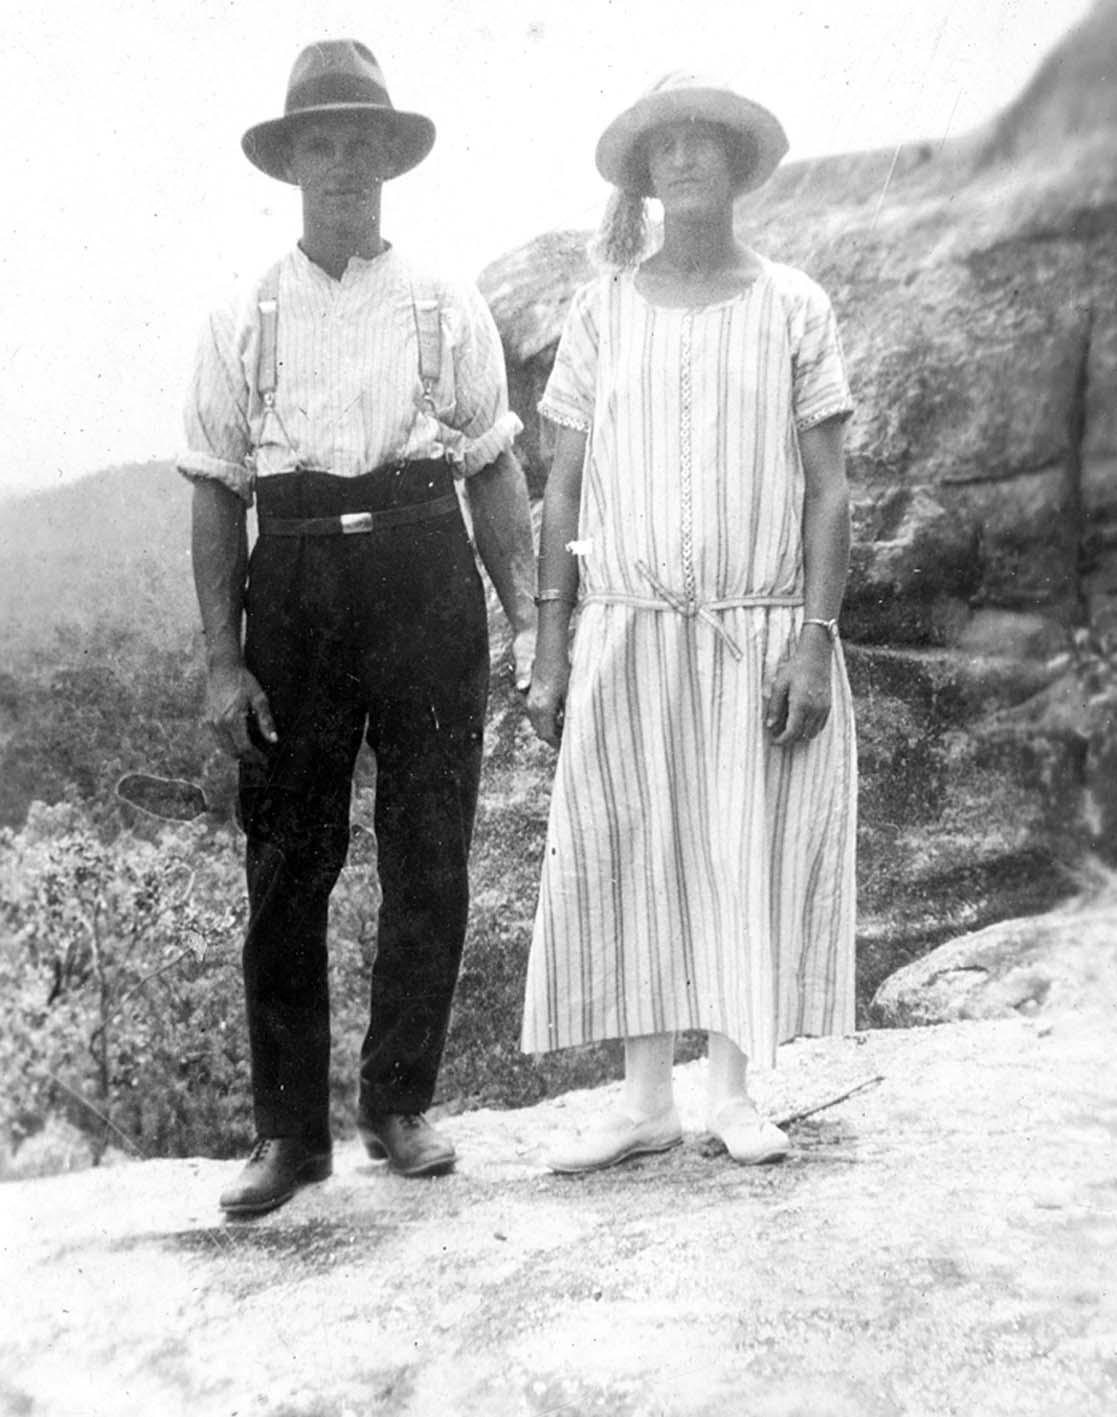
[
  {"x": 686, "y": 601},
  {"x": 686, "y": 456}
]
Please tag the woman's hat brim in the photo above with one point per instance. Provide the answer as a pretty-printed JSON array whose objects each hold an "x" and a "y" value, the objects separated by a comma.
[
  {"x": 268, "y": 145},
  {"x": 620, "y": 161}
]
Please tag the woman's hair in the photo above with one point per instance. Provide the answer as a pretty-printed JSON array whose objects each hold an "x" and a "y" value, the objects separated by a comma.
[
  {"x": 622, "y": 237},
  {"x": 623, "y": 234}
]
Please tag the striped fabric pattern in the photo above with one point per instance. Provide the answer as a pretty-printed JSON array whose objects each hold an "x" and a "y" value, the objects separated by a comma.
[
  {"x": 694, "y": 875},
  {"x": 349, "y": 395}
]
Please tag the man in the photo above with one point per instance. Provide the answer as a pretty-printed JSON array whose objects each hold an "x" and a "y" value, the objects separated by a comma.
[{"x": 344, "y": 397}]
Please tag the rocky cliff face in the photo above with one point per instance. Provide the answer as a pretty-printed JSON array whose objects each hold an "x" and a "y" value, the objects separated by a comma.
[{"x": 974, "y": 282}]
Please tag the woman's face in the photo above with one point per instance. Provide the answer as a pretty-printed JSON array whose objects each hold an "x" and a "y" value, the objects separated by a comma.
[{"x": 689, "y": 167}]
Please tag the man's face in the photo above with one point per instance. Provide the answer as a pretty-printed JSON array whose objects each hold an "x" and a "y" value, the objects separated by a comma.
[{"x": 340, "y": 163}]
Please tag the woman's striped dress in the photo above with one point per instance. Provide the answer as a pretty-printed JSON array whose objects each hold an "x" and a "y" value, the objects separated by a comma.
[{"x": 695, "y": 876}]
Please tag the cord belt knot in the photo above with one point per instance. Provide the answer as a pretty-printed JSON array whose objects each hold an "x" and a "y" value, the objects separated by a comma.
[{"x": 690, "y": 609}]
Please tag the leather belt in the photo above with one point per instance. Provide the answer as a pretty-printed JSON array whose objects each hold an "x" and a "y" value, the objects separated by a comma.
[{"x": 360, "y": 523}]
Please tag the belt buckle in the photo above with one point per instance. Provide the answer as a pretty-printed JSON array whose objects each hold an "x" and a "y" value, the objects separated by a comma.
[{"x": 353, "y": 523}]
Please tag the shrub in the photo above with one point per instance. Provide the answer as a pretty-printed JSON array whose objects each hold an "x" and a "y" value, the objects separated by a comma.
[
  {"x": 121, "y": 1003},
  {"x": 119, "y": 986},
  {"x": 92, "y": 705}
]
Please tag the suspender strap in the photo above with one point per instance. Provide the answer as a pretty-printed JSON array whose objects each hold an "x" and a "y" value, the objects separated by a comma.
[
  {"x": 267, "y": 302},
  {"x": 428, "y": 330}
]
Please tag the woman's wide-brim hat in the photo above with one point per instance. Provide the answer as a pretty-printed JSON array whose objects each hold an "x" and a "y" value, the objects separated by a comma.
[
  {"x": 338, "y": 76},
  {"x": 758, "y": 137}
]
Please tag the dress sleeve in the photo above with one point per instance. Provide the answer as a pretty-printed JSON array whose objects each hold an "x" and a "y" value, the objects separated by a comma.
[
  {"x": 568, "y": 399},
  {"x": 820, "y": 385},
  {"x": 218, "y": 441},
  {"x": 480, "y": 412}
]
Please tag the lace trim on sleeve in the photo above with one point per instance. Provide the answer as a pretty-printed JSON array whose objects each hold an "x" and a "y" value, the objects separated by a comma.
[
  {"x": 840, "y": 408},
  {"x": 563, "y": 419}
]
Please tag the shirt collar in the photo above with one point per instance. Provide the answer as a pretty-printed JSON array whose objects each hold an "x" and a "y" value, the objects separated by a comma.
[{"x": 358, "y": 266}]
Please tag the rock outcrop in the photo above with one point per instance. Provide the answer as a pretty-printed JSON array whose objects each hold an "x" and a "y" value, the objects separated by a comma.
[
  {"x": 1065, "y": 960},
  {"x": 974, "y": 281},
  {"x": 940, "y": 1240}
]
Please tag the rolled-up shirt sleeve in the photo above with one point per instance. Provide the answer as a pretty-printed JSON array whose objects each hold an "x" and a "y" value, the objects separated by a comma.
[
  {"x": 218, "y": 442},
  {"x": 481, "y": 416}
]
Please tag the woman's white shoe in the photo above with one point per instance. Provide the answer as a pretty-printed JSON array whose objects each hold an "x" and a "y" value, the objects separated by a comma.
[
  {"x": 749, "y": 1138},
  {"x": 616, "y": 1137}
]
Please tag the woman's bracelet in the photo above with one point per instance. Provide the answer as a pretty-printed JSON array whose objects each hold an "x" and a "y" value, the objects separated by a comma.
[
  {"x": 830, "y": 626},
  {"x": 562, "y": 596}
]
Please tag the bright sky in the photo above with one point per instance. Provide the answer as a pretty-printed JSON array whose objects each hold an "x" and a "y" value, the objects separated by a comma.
[{"x": 130, "y": 209}]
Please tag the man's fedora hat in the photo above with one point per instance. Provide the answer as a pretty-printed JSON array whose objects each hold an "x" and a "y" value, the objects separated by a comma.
[
  {"x": 757, "y": 138},
  {"x": 338, "y": 76}
]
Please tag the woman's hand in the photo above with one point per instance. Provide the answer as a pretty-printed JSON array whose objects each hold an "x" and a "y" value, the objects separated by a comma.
[
  {"x": 546, "y": 700},
  {"x": 798, "y": 703}
]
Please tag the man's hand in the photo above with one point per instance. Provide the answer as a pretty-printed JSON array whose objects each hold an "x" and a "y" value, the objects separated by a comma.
[
  {"x": 546, "y": 702},
  {"x": 502, "y": 533},
  {"x": 523, "y": 656},
  {"x": 232, "y": 694},
  {"x": 798, "y": 703}
]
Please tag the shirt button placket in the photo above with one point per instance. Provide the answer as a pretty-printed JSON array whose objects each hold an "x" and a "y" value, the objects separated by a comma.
[{"x": 337, "y": 326}]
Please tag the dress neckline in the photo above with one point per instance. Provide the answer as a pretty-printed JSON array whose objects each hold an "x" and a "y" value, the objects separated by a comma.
[{"x": 707, "y": 306}]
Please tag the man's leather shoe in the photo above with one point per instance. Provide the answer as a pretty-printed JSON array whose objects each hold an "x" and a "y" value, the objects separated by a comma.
[
  {"x": 615, "y": 1138},
  {"x": 276, "y": 1168},
  {"x": 408, "y": 1142}
]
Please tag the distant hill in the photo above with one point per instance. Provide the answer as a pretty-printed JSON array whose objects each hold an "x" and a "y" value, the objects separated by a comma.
[
  {"x": 99, "y": 664},
  {"x": 109, "y": 550}
]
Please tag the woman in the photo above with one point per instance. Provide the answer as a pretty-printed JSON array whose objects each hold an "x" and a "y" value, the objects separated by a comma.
[{"x": 698, "y": 871}]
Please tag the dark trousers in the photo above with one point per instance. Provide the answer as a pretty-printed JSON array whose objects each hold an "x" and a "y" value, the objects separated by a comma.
[{"x": 380, "y": 636}]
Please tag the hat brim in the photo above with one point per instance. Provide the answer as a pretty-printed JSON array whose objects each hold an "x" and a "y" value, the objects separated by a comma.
[
  {"x": 268, "y": 145},
  {"x": 620, "y": 160}
]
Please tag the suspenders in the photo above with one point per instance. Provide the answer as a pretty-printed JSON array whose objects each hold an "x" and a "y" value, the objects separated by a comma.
[
  {"x": 428, "y": 331},
  {"x": 267, "y": 303}
]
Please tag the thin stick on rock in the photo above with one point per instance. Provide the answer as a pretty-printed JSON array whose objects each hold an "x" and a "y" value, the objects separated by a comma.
[{"x": 830, "y": 1102}]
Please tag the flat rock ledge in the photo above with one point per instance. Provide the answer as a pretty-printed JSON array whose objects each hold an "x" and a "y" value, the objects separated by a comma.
[
  {"x": 943, "y": 1240},
  {"x": 1063, "y": 961}
]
